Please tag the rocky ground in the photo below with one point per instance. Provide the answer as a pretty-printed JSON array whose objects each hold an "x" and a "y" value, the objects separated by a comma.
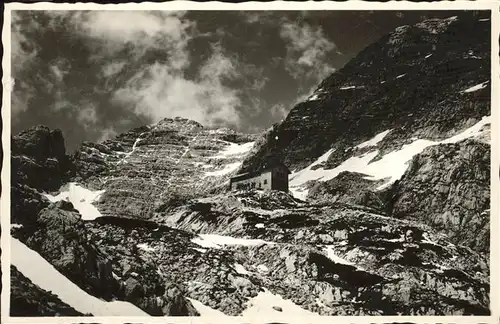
[
  {"x": 159, "y": 162},
  {"x": 338, "y": 259}
]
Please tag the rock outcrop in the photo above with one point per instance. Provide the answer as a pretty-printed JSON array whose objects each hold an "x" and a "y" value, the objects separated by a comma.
[
  {"x": 338, "y": 259},
  {"x": 39, "y": 158},
  {"x": 60, "y": 237}
]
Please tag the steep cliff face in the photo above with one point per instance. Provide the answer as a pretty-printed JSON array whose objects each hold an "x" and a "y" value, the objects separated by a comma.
[
  {"x": 388, "y": 212},
  {"x": 39, "y": 158}
]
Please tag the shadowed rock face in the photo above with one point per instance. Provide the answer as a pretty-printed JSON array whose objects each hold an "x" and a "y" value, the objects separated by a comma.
[
  {"x": 39, "y": 159},
  {"x": 448, "y": 187},
  {"x": 348, "y": 187},
  {"x": 60, "y": 237},
  {"x": 418, "y": 246}
]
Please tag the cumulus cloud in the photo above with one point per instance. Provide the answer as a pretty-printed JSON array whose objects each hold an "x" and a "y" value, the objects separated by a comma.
[
  {"x": 22, "y": 49},
  {"x": 162, "y": 90},
  {"x": 87, "y": 116},
  {"x": 112, "y": 68},
  {"x": 279, "y": 111},
  {"x": 143, "y": 57},
  {"x": 140, "y": 31},
  {"x": 149, "y": 65},
  {"x": 253, "y": 17},
  {"x": 307, "y": 50}
]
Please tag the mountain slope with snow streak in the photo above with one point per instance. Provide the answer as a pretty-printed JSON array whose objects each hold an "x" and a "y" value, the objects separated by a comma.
[
  {"x": 390, "y": 167},
  {"x": 44, "y": 275}
]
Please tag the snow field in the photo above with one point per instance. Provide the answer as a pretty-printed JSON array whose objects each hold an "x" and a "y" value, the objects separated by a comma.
[{"x": 81, "y": 198}]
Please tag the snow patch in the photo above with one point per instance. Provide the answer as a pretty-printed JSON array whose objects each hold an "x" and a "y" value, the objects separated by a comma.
[
  {"x": 476, "y": 87},
  {"x": 375, "y": 140},
  {"x": 200, "y": 250},
  {"x": 347, "y": 87},
  {"x": 81, "y": 198},
  {"x": 226, "y": 170},
  {"x": 428, "y": 55},
  {"x": 240, "y": 269},
  {"x": 134, "y": 146},
  {"x": 262, "y": 268},
  {"x": 261, "y": 306},
  {"x": 260, "y": 225},
  {"x": 43, "y": 274},
  {"x": 216, "y": 241},
  {"x": 206, "y": 311},
  {"x": 313, "y": 97},
  {"x": 235, "y": 149},
  {"x": 391, "y": 166},
  {"x": 401, "y": 75},
  {"x": 426, "y": 239},
  {"x": 16, "y": 225},
  {"x": 330, "y": 253},
  {"x": 145, "y": 247}
]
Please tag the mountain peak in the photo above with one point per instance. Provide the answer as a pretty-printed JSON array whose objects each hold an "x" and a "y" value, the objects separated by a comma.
[{"x": 179, "y": 122}]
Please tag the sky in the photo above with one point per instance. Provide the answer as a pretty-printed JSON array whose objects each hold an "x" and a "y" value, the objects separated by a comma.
[{"x": 95, "y": 74}]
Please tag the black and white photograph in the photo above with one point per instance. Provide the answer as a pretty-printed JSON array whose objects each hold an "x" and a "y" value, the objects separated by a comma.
[{"x": 249, "y": 165}]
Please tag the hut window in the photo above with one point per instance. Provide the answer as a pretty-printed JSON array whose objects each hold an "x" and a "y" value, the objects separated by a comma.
[{"x": 265, "y": 181}]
